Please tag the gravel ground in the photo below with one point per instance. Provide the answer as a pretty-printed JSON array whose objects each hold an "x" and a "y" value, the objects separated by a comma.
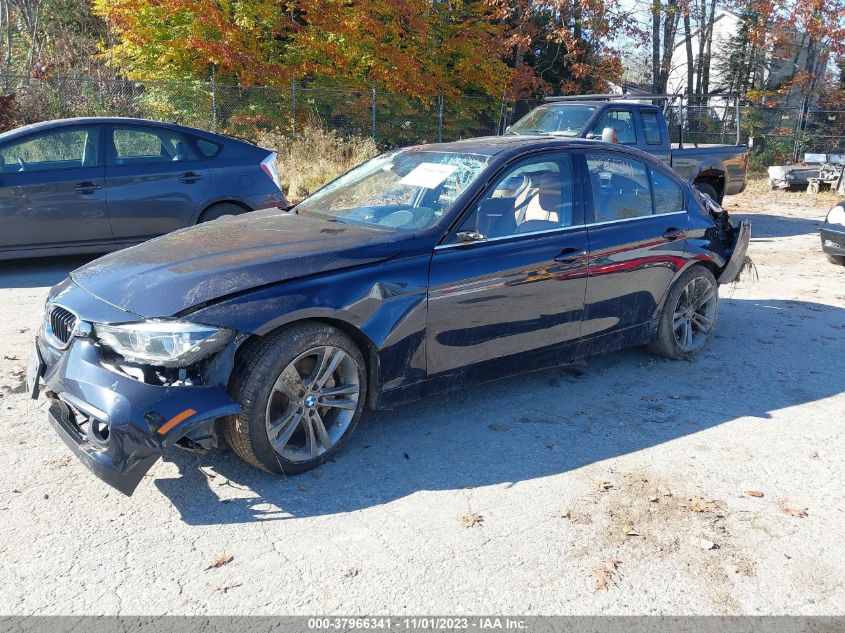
[{"x": 624, "y": 485}]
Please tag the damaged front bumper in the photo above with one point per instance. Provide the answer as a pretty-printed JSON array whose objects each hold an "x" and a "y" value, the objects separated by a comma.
[
  {"x": 833, "y": 239},
  {"x": 116, "y": 425}
]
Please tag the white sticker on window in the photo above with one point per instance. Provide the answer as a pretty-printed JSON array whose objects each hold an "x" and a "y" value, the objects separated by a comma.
[{"x": 428, "y": 175}]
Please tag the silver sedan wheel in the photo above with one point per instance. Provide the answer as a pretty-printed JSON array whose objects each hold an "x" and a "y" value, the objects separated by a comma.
[
  {"x": 312, "y": 403},
  {"x": 695, "y": 314}
]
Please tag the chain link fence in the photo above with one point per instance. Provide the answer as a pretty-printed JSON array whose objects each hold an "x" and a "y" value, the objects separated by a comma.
[{"x": 778, "y": 134}]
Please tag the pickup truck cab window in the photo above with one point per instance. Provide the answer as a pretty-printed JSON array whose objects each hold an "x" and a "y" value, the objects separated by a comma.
[
  {"x": 620, "y": 120},
  {"x": 651, "y": 127},
  {"x": 534, "y": 195}
]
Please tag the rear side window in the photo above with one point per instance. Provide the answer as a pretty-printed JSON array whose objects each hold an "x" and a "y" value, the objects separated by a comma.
[
  {"x": 61, "y": 149},
  {"x": 207, "y": 148},
  {"x": 668, "y": 194},
  {"x": 621, "y": 187},
  {"x": 651, "y": 128},
  {"x": 137, "y": 145}
]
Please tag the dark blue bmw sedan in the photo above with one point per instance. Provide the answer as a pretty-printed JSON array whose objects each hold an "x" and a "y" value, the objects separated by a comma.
[
  {"x": 420, "y": 270},
  {"x": 94, "y": 185}
]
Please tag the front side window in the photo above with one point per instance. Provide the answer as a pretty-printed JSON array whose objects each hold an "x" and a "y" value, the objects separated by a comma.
[
  {"x": 535, "y": 195},
  {"x": 407, "y": 189},
  {"x": 620, "y": 120},
  {"x": 135, "y": 146},
  {"x": 621, "y": 187},
  {"x": 62, "y": 149}
]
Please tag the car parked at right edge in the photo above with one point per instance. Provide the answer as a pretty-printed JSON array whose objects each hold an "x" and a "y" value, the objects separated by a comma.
[
  {"x": 93, "y": 185},
  {"x": 833, "y": 234}
]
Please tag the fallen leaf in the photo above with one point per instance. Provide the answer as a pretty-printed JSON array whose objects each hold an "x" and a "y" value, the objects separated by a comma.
[
  {"x": 604, "y": 486},
  {"x": 698, "y": 504},
  {"x": 653, "y": 499},
  {"x": 754, "y": 493},
  {"x": 225, "y": 588},
  {"x": 223, "y": 559},
  {"x": 605, "y": 573},
  {"x": 632, "y": 532},
  {"x": 498, "y": 427},
  {"x": 794, "y": 512},
  {"x": 471, "y": 519},
  {"x": 351, "y": 572}
]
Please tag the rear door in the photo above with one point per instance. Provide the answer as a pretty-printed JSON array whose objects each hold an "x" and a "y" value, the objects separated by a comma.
[
  {"x": 155, "y": 180},
  {"x": 52, "y": 190},
  {"x": 520, "y": 288},
  {"x": 636, "y": 227}
]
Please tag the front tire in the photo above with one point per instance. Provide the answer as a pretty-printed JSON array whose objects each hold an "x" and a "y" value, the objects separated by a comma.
[
  {"x": 688, "y": 318},
  {"x": 839, "y": 260},
  {"x": 302, "y": 391}
]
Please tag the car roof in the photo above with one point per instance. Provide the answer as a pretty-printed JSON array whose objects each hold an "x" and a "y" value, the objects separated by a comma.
[
  {"x": 518, "y": 144},
  {"x": 58, "y": 123}
]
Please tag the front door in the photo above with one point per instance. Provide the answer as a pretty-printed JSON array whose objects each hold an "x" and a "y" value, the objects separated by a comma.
[
  {"x": 52, "y": 190},
  {"x": 519, "y": 286},
  {"x": 155, "y": 179}
]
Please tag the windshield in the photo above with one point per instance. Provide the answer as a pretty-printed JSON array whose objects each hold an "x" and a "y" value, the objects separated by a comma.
[
  {"x": 567, "y": 120},
  {"x": 406, "y": 189}
]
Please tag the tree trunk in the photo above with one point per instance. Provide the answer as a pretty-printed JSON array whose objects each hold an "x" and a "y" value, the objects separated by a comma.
[
  {"x": 705, "y": 79},
  {"x": 655, "y": 45},
  {"x": 670, "y": 27},
  {"x": 688, "y": 43}
]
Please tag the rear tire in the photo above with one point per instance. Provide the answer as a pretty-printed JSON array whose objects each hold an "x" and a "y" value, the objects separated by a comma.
[
  {"x": 303, "y": 386},
  {"x": 839, "y": 260},
  {"x": 220, "y": 210},
  {"x": 688, "y": 318}
]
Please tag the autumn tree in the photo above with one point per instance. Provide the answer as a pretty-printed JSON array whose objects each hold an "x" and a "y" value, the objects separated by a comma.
[{"x": 413, "y": 47}]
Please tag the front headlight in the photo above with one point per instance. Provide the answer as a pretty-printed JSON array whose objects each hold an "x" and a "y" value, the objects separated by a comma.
[
  {"x": 163, "y": 343},
  {"x": 836, "y": 215}
]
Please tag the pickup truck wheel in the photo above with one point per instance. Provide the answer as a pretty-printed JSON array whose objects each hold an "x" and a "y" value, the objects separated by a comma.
[
  {"x": 302, "y": 391},
  {"x": 836, "y": 259},
  {"x": 710, "y": 190},
  {"x": 688, "y": 319}
]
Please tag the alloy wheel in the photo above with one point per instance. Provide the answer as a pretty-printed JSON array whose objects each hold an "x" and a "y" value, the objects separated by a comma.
[
  {"x": 312, "y": 403},
  {"x": 695, "y": 314}
]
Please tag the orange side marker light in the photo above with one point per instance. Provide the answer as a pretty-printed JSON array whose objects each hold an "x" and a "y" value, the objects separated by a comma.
[{"x": 176, "y": 419}]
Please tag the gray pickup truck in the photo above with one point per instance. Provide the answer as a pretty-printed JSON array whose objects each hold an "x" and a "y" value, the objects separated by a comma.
[{"x": 717, "y": 170}]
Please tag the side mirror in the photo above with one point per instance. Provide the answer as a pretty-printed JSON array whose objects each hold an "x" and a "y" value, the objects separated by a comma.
[
  {"x": 467, "y": 237},
  {"x": 507, "y": 129},
  {"x": 609, "y": 135}
]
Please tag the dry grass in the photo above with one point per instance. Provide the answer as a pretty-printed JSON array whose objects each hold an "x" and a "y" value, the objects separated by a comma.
[
  {"x": 759, "y": 185},
  {"x": 314, "y": 157}
]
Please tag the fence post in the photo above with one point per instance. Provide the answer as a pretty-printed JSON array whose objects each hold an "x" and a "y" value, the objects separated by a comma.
[
  {"x": 213, "y": 100},
  {"x": 373, "y": 114},
  {"x": 293, "y": 106},
  {"x": 440, "y": 120}
]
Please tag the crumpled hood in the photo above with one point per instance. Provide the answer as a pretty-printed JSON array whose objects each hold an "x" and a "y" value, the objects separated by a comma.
[{"x": 183, "y": 269}]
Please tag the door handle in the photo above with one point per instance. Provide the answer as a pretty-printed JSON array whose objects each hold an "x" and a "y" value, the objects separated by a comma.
[
  {"x": 673, "y": 233},
  {"x": 86, "y": 187},
  {"x": 190, "y": 177},
  {"x": 570, "y": 254}
]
